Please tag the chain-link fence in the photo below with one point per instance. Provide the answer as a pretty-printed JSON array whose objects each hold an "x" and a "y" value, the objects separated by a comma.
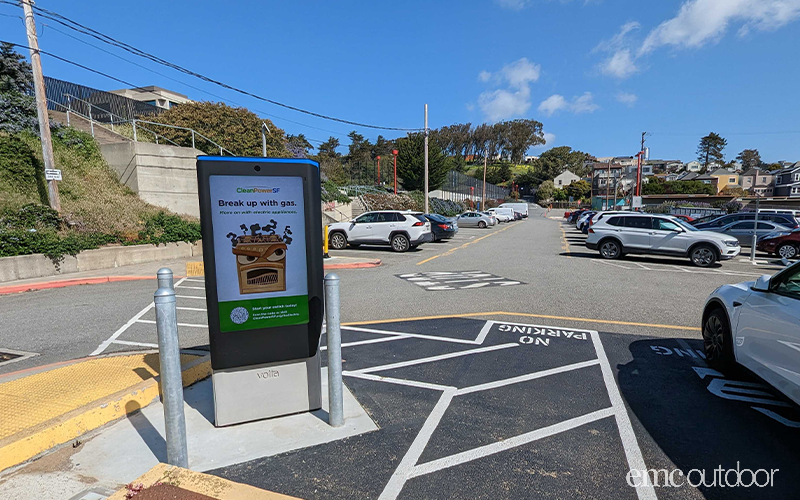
[{"x": 461, "y": 187}]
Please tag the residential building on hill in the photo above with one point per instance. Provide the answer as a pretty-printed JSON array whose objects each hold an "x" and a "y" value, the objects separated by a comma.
[
  {"x": 157, "y": 96},
  {"x": 565, "y": 178},
  {"x": 758, "y": 182},
  {"x": 787, "y": 182}
]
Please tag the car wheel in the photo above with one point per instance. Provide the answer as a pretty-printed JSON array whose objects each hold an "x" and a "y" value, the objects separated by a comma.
[
  {"x": 610, "y": 249},
  {"x": 787, "y": 251},
  {"x": 400, "y": 243},
  {"x": 338, "y": 241},
  {"x": 703, "y": 256},
  {"x": 481, "y": 224},
  {"x": 717, "y": 341}
]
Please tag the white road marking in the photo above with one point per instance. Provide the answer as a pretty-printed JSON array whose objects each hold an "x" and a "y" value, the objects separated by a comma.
[
  {"x": 525, "y": 378},
  {"x": 507, "y": 444},
  {"x": 431, "y": 359},
  {"x": 195, "y": 280},
  {"x": 484, "y": 332},
  {"x": 476, "y": 285},
  {"x": 189, "y": 325},
  {"x": 191, "y": 287},
  {"x": 397, "y": 381},
  {"x": 403, "y": 472},
  {"x": 104, "y": 345},
  {"x": 191, "y": 308},
  {"x": 415, "y": 335},
  {"x": 190, "y": 297},
  {"x": 369, "y": 341},
  {"x": 629, "y": 442},
  {"x": 141, "y": 344}
]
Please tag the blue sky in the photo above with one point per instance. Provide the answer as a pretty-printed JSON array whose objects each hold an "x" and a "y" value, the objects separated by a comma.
[{"x": 596, "y": 73}]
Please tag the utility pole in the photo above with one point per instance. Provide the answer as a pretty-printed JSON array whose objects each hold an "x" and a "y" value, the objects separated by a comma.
[
  {"x": 755, "y": 231},
  {"x": 639, "y": 168},
  {"x": 41, "y": 104},
  {"x": 483, "y": 193},
  {"x": 426, "y": 159},
  {"x": 608, "y": 183}
]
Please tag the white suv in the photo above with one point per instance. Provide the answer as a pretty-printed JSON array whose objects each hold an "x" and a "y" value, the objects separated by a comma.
[
  {"x": 401, "y": 230},
  {"x": 638, "y": 233}
]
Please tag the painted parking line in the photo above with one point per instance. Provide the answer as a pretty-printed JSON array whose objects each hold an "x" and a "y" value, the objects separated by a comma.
[
  {"x": 452, "y": 280},
  {"x": 449, "y": 252},
  {"x": 658, "y": 267}
]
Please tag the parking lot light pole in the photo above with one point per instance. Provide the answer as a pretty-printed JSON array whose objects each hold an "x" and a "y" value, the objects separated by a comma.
[
  {"x": 379, "y": 170},
  {"x": 394, "y": 152},
  {"x": 426, "y": 159}
]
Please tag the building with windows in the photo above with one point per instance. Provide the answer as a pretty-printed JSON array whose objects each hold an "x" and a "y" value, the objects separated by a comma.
[
  {"x": 694, "y": 166},
  {"x": 156, "y": 96},
  {"x": 787, "y": 182},
  {"x": 758, "y": 182},
  {"x": 565, "y": 178},
  {"x": 720, "y": 179}
]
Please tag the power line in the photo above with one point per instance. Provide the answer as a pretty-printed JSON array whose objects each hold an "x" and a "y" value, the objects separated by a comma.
[{"x": 74, "y": 25}]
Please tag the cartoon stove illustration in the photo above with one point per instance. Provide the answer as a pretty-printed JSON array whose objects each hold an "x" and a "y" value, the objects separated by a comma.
[{"x": 261, "y": 258}]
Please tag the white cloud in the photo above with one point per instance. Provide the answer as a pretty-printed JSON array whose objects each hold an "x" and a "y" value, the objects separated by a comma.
[
  {"x": 515, "y": 100},
  {"x": 620, "y": 65},
  {"x": 521, "y": 72},
  {"x": 619, "y": 40},
  {"x": 512, "y": 4},
  {"x": 549, "y": 138},
  {"x": 552, "y": 104},
  {"x": 705, "y": 21},
  {"x": 501, "y": 104},
  {"x": 579, "y": 104},
  {"x": 627, "y": 98}
]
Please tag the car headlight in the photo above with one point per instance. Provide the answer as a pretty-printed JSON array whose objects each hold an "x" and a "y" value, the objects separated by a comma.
[
  {"x": 732, "y": 243},
  {"x": 772, "y": 236}
]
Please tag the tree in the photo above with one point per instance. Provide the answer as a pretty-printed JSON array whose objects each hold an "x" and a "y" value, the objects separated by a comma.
[
  {"x": 16, "y": 74},
  {"x": 382, "y": 148},
  {"x": 519, "y": 135},
  {"x": 710, "y": 149},
  {"x": 733, "y": 191},
  {"x": 298, "y": 145},
  {"x": 236, "y": 129},
  {"x": 579, "y": 190},
  {"x": 545, "y": 191},
  {"x": 750, "y": 158},
  {"x": 328, "y": 148},
  {"x": 411, "y": 163},
  {"x": 360, "y": 149},
  {"x": 496, "y": 174},
  {"x": 555, "y": 161}
]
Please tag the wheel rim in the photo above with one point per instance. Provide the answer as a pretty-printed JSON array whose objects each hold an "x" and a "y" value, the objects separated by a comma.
[
  {"x": 787, "y": 251},
  {"x": 703, "y": 256},
  {"x": 481, "y": 224},
  {"x": 337, "y": 241},
  {"x": 713, "y": 338},
  {"x": 400, "y": 244},
  {"x": 609, "y": 250}
]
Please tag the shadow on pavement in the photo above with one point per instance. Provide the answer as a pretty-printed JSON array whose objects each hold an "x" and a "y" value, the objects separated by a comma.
[{"x": 149, "y": 434}]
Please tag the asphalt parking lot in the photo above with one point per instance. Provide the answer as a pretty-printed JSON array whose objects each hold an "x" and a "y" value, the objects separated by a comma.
[{"x": 477, "y": 408}]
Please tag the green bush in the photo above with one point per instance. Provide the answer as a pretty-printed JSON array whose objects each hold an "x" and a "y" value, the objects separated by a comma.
[
  {"x": 168, "y": 228},
  {"x": 49, "y": 242},
  {"x": 30, "y": 216},
  {"x": 20, "y": 168}
]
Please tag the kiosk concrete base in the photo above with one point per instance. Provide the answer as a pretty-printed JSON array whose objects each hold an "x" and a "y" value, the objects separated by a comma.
[{"x": 267, "y": 390}]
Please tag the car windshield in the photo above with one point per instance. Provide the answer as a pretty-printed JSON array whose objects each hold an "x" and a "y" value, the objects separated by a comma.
[
  {"x": 436, "y": 217},
  {"x": 685, "y": 225}
]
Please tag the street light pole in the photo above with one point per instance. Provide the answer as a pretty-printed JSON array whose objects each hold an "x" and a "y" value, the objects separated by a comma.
[
  {"x": 379, "y": 170},
  {"x": 394, "y": 152},
  {"x": 426, "y": 159}
]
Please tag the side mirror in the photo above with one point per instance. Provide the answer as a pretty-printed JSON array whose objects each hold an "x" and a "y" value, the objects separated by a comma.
[
  {"x": 762, "y": 283},
  {"x": 352, "y": 221}
]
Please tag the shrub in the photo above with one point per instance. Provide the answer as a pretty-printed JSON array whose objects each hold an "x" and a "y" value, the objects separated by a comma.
[
  {"x": 49, "y": 242},
  {"x": 20, "y": 168},
  {"x": 30, "y": 216},
  {"x": 168, "y": 228}
]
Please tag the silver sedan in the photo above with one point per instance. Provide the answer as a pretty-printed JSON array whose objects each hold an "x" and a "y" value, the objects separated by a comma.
[{"x": 474, "y": 219}]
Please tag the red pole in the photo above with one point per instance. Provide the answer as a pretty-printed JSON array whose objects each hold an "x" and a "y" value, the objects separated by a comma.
[
  {"x": 379, "y": 170},
  {"x": 639, "y": 174},
  {"x": 394, "y": 152}
]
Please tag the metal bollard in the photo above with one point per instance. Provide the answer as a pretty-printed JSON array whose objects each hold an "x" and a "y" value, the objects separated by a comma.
[
  {"x": 171, "y": 380},
  {"x": 165, "y": 278},
  {"x": 334, "y": 335}
]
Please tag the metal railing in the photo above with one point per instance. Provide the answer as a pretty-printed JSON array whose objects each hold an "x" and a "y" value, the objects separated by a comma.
[
  {"x": 99, "y": 117},
  {"x": 125, "y": 107}
]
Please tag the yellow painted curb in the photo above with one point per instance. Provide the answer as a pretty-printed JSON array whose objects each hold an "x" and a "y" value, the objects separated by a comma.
[
  {"x": 204, "y": 484},
  {"x": 194, "y": 269},
  {"x": 15, "y": 450}
]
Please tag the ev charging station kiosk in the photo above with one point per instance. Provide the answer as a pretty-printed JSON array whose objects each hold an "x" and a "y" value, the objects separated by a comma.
[{"x": 262, "y": 251}]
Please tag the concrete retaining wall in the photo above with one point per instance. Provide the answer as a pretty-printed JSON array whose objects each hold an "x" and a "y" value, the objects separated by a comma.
[
  {"x": 165, "y": 176},
  {"x": 38, "y": 266}
]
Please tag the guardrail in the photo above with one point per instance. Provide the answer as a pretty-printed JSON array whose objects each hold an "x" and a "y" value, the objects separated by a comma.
[{"x": 136, "y": 124}]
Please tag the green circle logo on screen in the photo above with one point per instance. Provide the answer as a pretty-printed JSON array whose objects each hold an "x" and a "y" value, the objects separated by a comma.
[{"x": 239, "y": 315}]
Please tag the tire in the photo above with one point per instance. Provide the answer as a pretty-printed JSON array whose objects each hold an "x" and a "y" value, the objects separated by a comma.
[
  {"x": 703, "y": 256},
  {"x": 786, "y": 251},
  {"x": 481, "y": 224},
  {"x": 610, "y": 249},
  {"x": 400, "y": 243},
  {"x": 718, "y": 341},
  {"x": 338, "y": 241}
]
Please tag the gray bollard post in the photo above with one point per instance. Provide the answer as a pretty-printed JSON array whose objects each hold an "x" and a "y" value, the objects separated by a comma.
[
  {"x": 334, "y": 336},
  {"x": 165, "y": 278},
  {"x": 171, "y": 381}
]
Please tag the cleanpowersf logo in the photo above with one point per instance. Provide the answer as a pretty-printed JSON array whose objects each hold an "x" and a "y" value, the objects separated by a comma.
[{"x": 257, "y": 189}]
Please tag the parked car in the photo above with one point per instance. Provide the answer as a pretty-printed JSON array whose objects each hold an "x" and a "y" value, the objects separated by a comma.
[
  {"x": 684, "y": 218},
  {"x": 743, "y": 230},
  {"x": 583, "y": 219},
  {"x": 574, "y": 216},
  {"x": 441, "y": 227},
  {"x": 722, "y": 221},
  {"x": 401, "y": 230},
  {"x": 521, "y": 207},
  {"x": 639, "y": 233},
  {"x": 491, "y": 217},
  {"x": 502, "y": 214},
  {"x": 756, "y": 324},
  {"x": 783, "y": 244},
  {"x": 473, "y": 219}
]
